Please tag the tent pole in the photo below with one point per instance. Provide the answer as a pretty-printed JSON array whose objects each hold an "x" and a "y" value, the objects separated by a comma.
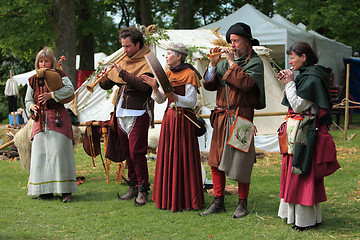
[{"x": 346, "y": 101}]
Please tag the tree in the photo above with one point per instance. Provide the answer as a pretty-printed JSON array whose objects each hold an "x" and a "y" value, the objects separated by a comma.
[
  {"x": 28, "y": 26},
  {"x": 332, "y": 18},
  {"x": 143, "y": 12},
  {"x": 24, "y": 28},
  {"x": 62, "y": 18},
  {"x": 186, "y": 14},
  {"x": 86, "y": 39}
]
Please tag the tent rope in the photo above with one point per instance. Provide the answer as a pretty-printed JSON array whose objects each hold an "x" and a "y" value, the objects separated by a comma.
[{"x": 342, "y": 104}]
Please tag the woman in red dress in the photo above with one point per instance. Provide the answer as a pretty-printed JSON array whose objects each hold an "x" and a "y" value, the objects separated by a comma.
[
  {"x": 308, "y": 98},
  {"x": 178, "y": 182}
]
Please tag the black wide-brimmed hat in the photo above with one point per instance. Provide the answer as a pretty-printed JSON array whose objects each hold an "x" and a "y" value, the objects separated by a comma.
[{"x": 243, "y": 30}]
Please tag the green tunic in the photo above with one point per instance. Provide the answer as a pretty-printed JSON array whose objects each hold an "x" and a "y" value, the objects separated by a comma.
[
  {"x": 253, "y": 68},
  {"x": 245, "y": 86}
]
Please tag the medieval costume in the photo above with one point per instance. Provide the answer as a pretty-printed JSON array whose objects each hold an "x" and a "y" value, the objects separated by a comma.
[
  {"x": 132, "y": 114},
  {"x": 240, "y": 90},
  {"x": 52, "y": 168},
  {"x": 178, "y": 181},
  {"x": 302, "y": 189}
]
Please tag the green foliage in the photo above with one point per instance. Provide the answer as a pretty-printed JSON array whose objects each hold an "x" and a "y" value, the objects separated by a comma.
[
  {"x": 334, "y": 19},
  {"x": 17, "y": 65},
  {"x": 24, "y": 27},
  {"x": 195, "y": 49},
  {"x": 153, "y": 38},
  {"x": 100, "y": 24}
]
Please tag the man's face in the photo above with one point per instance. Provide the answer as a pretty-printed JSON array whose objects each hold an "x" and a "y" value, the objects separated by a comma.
[
  {"x": 129, "y": 47},
  {"x": 239, "y": 43}
]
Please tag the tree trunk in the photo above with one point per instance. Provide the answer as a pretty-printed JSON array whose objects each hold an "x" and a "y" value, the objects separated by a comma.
[
  {"x": 146, "y": 15},
  {"x": 86, "y": 43},
  {"x": 186, "y": 14},
  {"x": 62, "y": 18},
  {"x": 143, "y": 12}
]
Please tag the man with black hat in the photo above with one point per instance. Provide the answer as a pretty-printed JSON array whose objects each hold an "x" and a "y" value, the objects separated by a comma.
[{"x": 239, "y": 82}]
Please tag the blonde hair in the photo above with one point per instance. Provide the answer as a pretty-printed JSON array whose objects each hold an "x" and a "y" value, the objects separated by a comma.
[{"x": 46, "y": 52}]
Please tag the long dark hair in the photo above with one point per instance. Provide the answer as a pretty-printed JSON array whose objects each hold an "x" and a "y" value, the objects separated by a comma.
[{"x": 300, "y": 48}]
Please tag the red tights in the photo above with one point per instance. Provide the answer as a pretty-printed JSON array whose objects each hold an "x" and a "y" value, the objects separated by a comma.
[{"x": 219, "y": 179}]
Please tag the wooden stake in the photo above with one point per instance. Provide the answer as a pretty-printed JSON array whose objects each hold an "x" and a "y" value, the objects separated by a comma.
[{"x": 346, "y": 101}]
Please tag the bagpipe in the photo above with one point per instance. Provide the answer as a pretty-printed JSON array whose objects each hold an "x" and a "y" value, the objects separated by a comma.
[{"x": 51, "y": 79}]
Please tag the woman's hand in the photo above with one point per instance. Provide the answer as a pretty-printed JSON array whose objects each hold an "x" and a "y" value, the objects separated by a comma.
[
  {"x": 34, "y": 109},
  {"x": 44, "y": 97},
  {"x": 151, "y": 82},
  {"x": 172, "y": 95},
  {"x": 286, "y": 76}
]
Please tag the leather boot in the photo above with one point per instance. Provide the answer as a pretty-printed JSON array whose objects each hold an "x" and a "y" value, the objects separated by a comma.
[
  {"x": 66, "y": 197},
  {"x": 142, "y": 198},
  {"x": 217, "y": 206},
  {"x": 241, "y": 209},
  {"x": 131, "y": 193},
  {"x": 47, "y": 196}
]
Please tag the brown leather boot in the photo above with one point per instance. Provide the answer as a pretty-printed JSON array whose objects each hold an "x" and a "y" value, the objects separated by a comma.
[
  {"x": 217, "y": 206},
  {"x": 131, "y": 193},
  {"x": 241, "y": 209},
  {"x": 142, "y": 198}
]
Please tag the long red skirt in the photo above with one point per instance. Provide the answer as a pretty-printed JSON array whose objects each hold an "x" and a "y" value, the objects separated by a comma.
[
  {"x": 307, "y": 189},
  {"x": 178, "y": 181}
]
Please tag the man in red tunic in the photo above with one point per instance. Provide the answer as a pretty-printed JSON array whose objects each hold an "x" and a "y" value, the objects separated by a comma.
[{"x": 239, "y": 82}]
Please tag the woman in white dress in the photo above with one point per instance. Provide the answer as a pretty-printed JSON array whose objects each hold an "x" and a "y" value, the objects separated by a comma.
[{"x": 52, "y": 167}]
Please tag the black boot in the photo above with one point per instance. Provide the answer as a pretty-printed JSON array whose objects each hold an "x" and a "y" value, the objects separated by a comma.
[
  {"x": 47, "y": 196},
  {"x": 241, "y": 210},
  {"x": 131, "y": 193},
  {"x": 217, "y": 206}
]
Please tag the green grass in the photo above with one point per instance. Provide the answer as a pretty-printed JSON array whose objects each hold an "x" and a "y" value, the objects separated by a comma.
[{"x": 96, "y": 213}]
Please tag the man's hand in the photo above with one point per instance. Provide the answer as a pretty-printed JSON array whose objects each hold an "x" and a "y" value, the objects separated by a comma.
[
  {"x": 215, "y": 59},
  {"x": 117, "y": 66}
]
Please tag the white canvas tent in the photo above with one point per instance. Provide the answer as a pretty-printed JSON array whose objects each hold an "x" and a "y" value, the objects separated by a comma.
[
  {"x": 278, "y": 34},
  {"x": 22, "y": 79},
  {"x": 98, "y": 105}
]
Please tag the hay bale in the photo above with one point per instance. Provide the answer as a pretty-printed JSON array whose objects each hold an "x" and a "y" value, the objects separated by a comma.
[
  {"x": 22, "y": 140},
  {"x": 153, "y": 138}
]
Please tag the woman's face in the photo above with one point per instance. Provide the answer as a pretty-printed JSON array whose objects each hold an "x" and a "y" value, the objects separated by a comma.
[
  {"x": 44, "y": 62},
  {"x": 171, "y": 59},
  {"x": 295, "y": 61}
]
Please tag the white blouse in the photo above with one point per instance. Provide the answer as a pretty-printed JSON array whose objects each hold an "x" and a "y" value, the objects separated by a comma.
[
  {"x": 187, "y": 101},
  {"x": 297, "y": 103}
]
